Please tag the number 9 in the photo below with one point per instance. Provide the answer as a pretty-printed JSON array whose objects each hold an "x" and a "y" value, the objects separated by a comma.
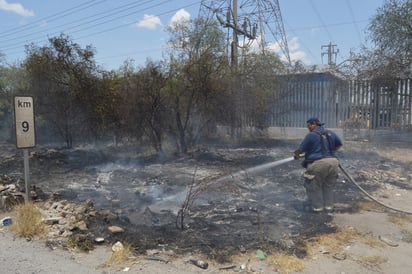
[{"x": 25, "y": 126}]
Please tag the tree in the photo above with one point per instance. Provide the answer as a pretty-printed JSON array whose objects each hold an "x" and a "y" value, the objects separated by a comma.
[
  {"x": 152, "y": 102},
  {"x": 103, "y": 103},
  {"x": 391, "y": 28},
  {"x": 63, "y": 80},
  {"x": 391, "y": 32},
  {"x": 193, "y": 74},
  {"x": 144, "y": 109},
  {"x": 13, "y": 81},
  {"x": 259, "y": 83}
]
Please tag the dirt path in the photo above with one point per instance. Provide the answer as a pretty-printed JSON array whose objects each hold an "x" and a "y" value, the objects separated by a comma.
[{"x": 18, "y": 255}]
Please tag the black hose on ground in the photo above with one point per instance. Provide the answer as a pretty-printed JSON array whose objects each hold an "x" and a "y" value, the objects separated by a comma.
[{"x": 368, "y": 195}]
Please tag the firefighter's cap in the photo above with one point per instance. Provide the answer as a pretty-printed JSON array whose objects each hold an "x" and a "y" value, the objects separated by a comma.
[{"x": 315, "y": 120}]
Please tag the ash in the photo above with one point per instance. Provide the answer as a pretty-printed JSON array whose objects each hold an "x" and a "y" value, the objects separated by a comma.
[{"x": 200, "y": 202}]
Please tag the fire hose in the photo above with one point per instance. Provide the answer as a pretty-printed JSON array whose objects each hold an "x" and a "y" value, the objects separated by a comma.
[
  {"x": 368, "y": 195},
  {"x": 363, "y": 190},
  {"x": 286, "y": 160}
]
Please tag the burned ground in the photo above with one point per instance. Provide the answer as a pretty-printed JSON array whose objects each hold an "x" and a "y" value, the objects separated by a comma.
[{"x": 231, "y": 211}]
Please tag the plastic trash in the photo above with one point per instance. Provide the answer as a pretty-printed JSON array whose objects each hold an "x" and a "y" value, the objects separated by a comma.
[
  {"x": 260, "y": 255},
  {"x": 200, "y": 263},
  {"x": 6, "y": 221}
]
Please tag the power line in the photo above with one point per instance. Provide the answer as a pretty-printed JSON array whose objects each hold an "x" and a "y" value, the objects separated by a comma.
[
  {"x": 128, "y": 24},
  {"x": 120, "y": 26},
  {"x": 51, "y": 18},
  {"x": 329, "y": 25},
  {"x": 97, "y": 23},
  {"x": 15, "y": 45},
  {"x": 105, "y": 15},
  {"x": 127, "y": 54},
  {"x": 353, "y": 19},
  {"x": 300, "y": 42},
  {"x": 123, "y": 8},
  {"x": 321, "y": 20}
]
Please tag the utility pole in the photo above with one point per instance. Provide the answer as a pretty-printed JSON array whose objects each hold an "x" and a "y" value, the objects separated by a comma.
[
  {"x": 330, "y": 52},
  {"x": 251, "y": 19},
  {"x": 232, "y": 16},
  {"x": 235, "y": 41}
]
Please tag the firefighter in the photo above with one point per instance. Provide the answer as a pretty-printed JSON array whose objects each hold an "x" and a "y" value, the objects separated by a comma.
[{"x": 319, "y": 147}]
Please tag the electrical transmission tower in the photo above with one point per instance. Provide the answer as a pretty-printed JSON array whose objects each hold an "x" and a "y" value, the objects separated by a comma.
[
  {"x": 331, "y": 52},
  {"x": 258, "y": 22}
]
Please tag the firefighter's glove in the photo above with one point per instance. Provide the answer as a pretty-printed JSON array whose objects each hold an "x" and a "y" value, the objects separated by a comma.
[{"x": 297, "y": 154}]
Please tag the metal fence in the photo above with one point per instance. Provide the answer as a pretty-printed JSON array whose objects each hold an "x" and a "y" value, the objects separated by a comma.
[
  {"x": 383, "y": 103},
  {"x": 373, "y": 104}
]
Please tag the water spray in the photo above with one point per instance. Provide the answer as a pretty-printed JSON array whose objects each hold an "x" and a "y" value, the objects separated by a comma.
[
  {"x": 260, "y": 168},
  {"x": 193, "y": 193},
  {"x": 255, "y": 169},
  {"x": 263, "y": 167}
]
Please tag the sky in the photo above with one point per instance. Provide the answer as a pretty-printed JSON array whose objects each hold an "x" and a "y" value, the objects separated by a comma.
[{"x": 121, "y": 30}]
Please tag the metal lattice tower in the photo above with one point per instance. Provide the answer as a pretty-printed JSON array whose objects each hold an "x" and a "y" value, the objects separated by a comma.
[{"x": 256, "y": 21}]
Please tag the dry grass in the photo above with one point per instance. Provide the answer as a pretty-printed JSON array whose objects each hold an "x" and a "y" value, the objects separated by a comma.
[
  {"x": 334, "y": 242},
  {"x": 373, "y": 242},
  {"x": 285, "y": 263},
  {"x": 80, "y": 242},
  {"x": 407, "y": 236},
  {"x": 28, "y": 221},
  {"x": 400, "y": 219},
  {"x": 372, "y": 261},
  {"x": 282, "y": 263},
  {"x": 370, "y": 206},
  {"x": 120, "y": 256}
]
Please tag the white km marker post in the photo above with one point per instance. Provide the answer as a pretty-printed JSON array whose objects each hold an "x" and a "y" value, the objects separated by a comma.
[{"x": 25, "y": 131}]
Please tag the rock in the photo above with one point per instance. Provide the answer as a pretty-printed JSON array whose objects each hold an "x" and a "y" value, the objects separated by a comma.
[
  {"x": 33, "y": 195},
  {"x": 66, "y": 234},
  {"x": 118, "y": 246},
  {"x": 12, "y": 187},
  {"x": 115, "y": 203},
  {"x": 200, "y": 263},
  {"x": 99, "y": 240},
  {"x": 2, "y": 188},
  {"x": 151, "y": 252},
  {"x": 82, "y": 226},
  {"x": 115, "y": 229},
  {"x": 53, "y": 220},
  {"x": 108, "y": 216},
  {"x": 89, "y": 203}
]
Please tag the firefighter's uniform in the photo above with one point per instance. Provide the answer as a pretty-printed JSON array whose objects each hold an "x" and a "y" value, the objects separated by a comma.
[{"x": 319, "y": 146}]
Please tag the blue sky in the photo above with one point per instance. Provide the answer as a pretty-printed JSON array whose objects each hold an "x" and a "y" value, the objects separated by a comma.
[{"x": 130, "y": 29}]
